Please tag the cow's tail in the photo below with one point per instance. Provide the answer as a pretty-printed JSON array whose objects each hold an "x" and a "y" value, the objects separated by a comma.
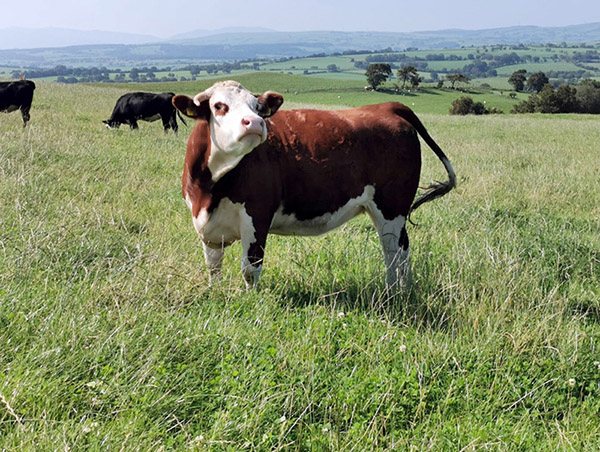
[
  {"x": 181, "y": 117},
  {"x": 437, "y": 189}
]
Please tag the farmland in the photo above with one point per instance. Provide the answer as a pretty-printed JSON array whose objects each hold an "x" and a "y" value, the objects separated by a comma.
[
  {"x": 112, "y": 339},
  {"x": 486, "y": 65}
]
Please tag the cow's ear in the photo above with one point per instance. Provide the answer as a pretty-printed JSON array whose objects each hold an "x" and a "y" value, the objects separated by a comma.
[
  {"x": 269, "y": 103},
  {"x": 188, "y": 107}
]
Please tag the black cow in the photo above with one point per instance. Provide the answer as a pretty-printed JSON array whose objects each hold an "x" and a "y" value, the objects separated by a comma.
[
  {"x": 17, "y": 95},
  {"x": 132, "y": 107}
]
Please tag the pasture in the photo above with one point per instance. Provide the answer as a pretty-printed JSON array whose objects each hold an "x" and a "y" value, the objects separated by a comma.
[
  {"x": 112, "y": 339},
  {"x": 332, "y": 92}
]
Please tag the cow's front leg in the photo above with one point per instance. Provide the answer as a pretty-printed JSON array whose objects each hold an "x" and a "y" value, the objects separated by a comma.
[
  {"x": 214, "y": 261},
  {"x": 166, "y": 123},
  {"x": 253, "y": 252}
]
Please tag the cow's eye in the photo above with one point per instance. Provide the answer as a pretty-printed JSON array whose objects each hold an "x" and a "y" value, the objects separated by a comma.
[{"x": 221, "y": 108}]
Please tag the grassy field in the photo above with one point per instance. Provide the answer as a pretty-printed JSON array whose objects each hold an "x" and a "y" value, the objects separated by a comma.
[
  {"x": 329, "y": 91},
  {"x": 112, "y": 339},
  {"x": 506, "y": 71}
]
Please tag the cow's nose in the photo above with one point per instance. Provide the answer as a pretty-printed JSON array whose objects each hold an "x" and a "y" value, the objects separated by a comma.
[{"x": 253, "y": 123}]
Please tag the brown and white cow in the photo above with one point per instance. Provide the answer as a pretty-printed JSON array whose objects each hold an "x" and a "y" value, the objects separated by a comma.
[{"x": 300, "y": 172}]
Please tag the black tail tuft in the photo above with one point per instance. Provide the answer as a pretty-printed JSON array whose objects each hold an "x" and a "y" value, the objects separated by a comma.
[{"x": 434, "y": 191}]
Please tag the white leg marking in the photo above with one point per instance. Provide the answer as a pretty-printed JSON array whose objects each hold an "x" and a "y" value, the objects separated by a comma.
[
  {"x": 396, "y": 254},
  {"x": 214, "y": 260},
  {"x": 250, "y": 272}
]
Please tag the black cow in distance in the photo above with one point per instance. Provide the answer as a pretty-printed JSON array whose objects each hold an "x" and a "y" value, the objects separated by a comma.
[
  {"x": 139, "y": 106},
  {"x": 17, "y": 95}
]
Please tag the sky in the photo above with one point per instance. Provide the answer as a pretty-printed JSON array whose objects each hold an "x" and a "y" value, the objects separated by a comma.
[{"x": 164, "y": 18}]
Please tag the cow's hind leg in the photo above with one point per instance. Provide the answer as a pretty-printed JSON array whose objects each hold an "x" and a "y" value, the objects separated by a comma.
[
  {"x": 396, "y": 253},
  {"x": 25, "y": 115},
  {"x": 214, "y": 261}
]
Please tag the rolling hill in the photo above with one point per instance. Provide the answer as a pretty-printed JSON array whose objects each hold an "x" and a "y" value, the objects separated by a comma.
[{"x": 238, "y": 45}]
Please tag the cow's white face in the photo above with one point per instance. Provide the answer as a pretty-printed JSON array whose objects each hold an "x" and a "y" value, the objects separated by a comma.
[
  {"x": 236, "y": 118},
  {"x": 235, "y": 125}
]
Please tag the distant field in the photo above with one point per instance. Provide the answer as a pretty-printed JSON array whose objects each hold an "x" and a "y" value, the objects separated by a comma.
[
  {"x": 533, "y": 50},
  {"x": 111, "y": 337},
  {"x": 342, "y": 67},
  {"x": 449, "y": 65},
  {"x": 537, "y": 67},
  {"x": 343, "y": 62},
  {"x": 495, "y": 82},
  {"x": 332, "y": 91}
]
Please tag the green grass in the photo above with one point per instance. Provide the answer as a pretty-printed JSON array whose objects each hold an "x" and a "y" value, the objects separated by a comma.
[
  {"x": 343, "y": 62},
  {"x": 537, "y": 67},
  {"x": 112, "y": 339}
]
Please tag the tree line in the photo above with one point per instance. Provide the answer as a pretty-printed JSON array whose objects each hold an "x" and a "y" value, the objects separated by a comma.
[
  {"x": 378, "y": 73},
  {"x": 142, "y": 74},
  {"x": 581, "y": 98},
  {"x": 485, "y": 64}
]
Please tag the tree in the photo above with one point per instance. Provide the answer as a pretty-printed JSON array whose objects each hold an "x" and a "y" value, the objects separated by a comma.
[
  {"x": 517, "y": 79},
  {"x": 537, "y": 81},
  {"x": 525, "y": 106},
  {"x": 134, "y": 74},
  {"x": 415, "y": 79},
  {"x": 406, "y": 73},
  {"x": 467, "y": 106},
  {"x": 332, "y": 68},
  {"x": 457, "y": 78},
  {"x": 378, "y": 73},
  {"x": 588, "y": 96},
  {"x": 549, "y": 100},
  {"x": 566, "y": 99}
]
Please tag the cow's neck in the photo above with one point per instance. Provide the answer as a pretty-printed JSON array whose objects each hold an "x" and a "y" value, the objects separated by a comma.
[
  {"x": 220, "y": 163},
  {"x": 197, "y": 177}
]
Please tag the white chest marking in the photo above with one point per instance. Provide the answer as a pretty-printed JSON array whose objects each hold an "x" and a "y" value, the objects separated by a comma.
[{"x": 226, "y": 224}]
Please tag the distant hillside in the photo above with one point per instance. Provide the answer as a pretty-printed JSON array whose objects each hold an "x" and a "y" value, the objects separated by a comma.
[
  {"x": 27, "y": 38},
  {"x": 270, "y": 44},
  {"x": 195, "y": 34},
  {"x": 334, "y": 41}
]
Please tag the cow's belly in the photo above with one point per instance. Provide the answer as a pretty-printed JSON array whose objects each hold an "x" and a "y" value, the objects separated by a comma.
[
  {"x": 150, "y": 118},
  {"x": 288, "y": 224},
  {"x": 10, "y": 108}
]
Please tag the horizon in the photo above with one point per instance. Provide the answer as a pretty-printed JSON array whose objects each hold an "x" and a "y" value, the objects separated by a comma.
[
  {"x": 242, "y": 29},
  {"x": 26, "y": 38},
  {"x": 150, "y": 17}
]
